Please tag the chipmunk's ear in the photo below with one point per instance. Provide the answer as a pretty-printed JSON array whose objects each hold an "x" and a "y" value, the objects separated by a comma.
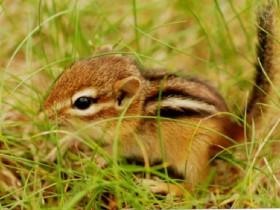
[{"x": 125, "y": 89}]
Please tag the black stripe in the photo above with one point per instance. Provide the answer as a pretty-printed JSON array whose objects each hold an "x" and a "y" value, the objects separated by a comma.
[
  {"x": 155, "y": 75},
  {"x": 182, "y": 112}
]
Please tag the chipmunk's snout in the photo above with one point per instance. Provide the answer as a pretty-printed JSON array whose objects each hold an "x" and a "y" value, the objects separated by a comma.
[{"x": 53, "y": 116}]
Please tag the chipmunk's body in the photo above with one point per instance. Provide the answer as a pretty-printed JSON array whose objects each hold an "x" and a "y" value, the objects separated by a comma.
[{"x": 193, "y": 122}]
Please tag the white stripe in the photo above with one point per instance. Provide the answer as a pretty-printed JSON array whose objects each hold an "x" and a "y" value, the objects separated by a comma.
[
  {"x": 88, "y": 92},
  {"x": 183, "y": 103}
]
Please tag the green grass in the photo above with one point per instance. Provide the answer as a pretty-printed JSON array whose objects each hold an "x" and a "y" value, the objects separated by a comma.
[{"x": 213, "y": 40}]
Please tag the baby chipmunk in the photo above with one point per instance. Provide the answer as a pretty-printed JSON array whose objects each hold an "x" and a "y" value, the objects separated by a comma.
[
  {"x": 193, "y": 122},
  {"x": 193, "y": 114}
]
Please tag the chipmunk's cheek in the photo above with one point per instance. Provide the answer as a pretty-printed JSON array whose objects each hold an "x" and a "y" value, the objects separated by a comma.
[{"x": 98, "y": 131}]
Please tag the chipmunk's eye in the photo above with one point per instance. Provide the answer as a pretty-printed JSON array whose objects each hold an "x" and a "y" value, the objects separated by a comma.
[{"x": 84, "y": 102}]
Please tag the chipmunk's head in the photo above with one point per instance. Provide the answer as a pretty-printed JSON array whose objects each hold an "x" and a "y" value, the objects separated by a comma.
[{"x": 96, "y": 88}]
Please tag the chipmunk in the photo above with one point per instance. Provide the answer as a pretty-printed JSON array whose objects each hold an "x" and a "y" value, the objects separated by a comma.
[{"x": 193, "y": 114}]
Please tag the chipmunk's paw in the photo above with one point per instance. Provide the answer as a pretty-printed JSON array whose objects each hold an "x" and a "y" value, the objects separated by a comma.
[
  {"x": 160, "y": 187},
  {"x": 154, "y": 185}
]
